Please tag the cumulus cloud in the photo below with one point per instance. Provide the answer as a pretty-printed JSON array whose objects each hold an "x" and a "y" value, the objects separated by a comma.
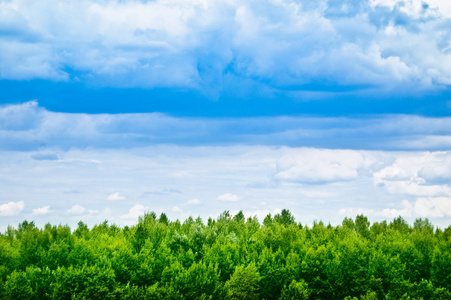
[
  {"x": 417, "y": 174},
  {"x": 115, "y": 196},
  {"x": 405, "y": 210},
  {"x": 437, "y": 172},
  {"x": 136, "y": 211},
  {"x": 433, "y": 207},
  {"x": 205, "y": 46},
  {"x": 11, "y": 208},
  {"x": 316, "y": 165},
  {"x": 76, "y": 210},
  {"x": 229, "y": 197},
  {"x": 42, "y": 210}
]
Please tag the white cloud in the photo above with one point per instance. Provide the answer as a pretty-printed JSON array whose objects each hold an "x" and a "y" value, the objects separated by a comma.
[
  {"x": 192, "y": 43},
  {"x": 415, "y": 7},
  {"x": 317, "y": 165},
  {"x": 136, "y": 211},
  {"x": 433, "y": 207},
  {"x": 176, "y": 209},
  {"x": 228, "y": 197},
  {"x": 430, "y": 207},
  {"x": 115, "y": 196},
  {"x": 193, "y": 202},
  {"x": 11, "y": 208},
  {"x": 42, "y": 210},
  {"x": 390, "y": 213},
  {"x": 417, "y": 174},
  {"x": 438, "y": 171},
  {"x": 76, "y": 210}
]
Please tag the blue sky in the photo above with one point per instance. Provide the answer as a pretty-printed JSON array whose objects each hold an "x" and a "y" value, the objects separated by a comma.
[{"x": 327, "y": 108}]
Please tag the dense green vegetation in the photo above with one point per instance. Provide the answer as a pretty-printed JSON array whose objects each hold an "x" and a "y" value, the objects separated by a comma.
[{"x": 227, "y": 258}]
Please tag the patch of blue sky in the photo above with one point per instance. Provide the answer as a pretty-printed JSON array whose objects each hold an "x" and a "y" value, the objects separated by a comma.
[{"x": 253, "y": 99}]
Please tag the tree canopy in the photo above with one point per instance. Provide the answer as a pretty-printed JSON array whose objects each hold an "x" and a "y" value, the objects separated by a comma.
[{"x": 230, "y": 257}]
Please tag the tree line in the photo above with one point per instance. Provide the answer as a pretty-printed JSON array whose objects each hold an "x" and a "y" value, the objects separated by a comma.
[{"x": 229, "y": 257}]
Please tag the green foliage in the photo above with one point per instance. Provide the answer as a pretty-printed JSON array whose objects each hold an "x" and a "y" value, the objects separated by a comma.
[
  {"x": 285, "y": 218},
  {"x": 295, "y": 291},
  {"x": 243, "y": 284},
  {"x": 362, "y": 225},
  {"x": 227, "y": 258},
  {"x": 90, "y": 282}
]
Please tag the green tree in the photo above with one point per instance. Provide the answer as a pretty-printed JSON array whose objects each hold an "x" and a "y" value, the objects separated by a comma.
[
  {"x": 18, "y": 286},
  {"x": 33, "y": 283},
  {"x": 285, "y": 218},
  {"x": 272, "y": 273},
  {"x": 199, "y": 281},
  {"x": 348, "y": 223},
  {"x": 441, "y": 265},
  {"x": 362, "y": 225},
  {"x": 243, "y": 284},
  {"x": 400, "y": 225},
  {"x": 267, "y": 221},
  {"x": 89, "y": 282},
  {"x": 295, "y": 291},
  {"x": 239, "y": 217},
  {"x": 163, "y": 219}
]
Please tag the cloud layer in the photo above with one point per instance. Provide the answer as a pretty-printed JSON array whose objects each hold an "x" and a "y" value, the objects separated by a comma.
[
  {"x": 29, "y": 127},
  {"x": 327, "y": 45}
]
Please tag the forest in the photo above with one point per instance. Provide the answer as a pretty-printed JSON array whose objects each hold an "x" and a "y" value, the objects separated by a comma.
[{"x": 229, "y": 257}]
